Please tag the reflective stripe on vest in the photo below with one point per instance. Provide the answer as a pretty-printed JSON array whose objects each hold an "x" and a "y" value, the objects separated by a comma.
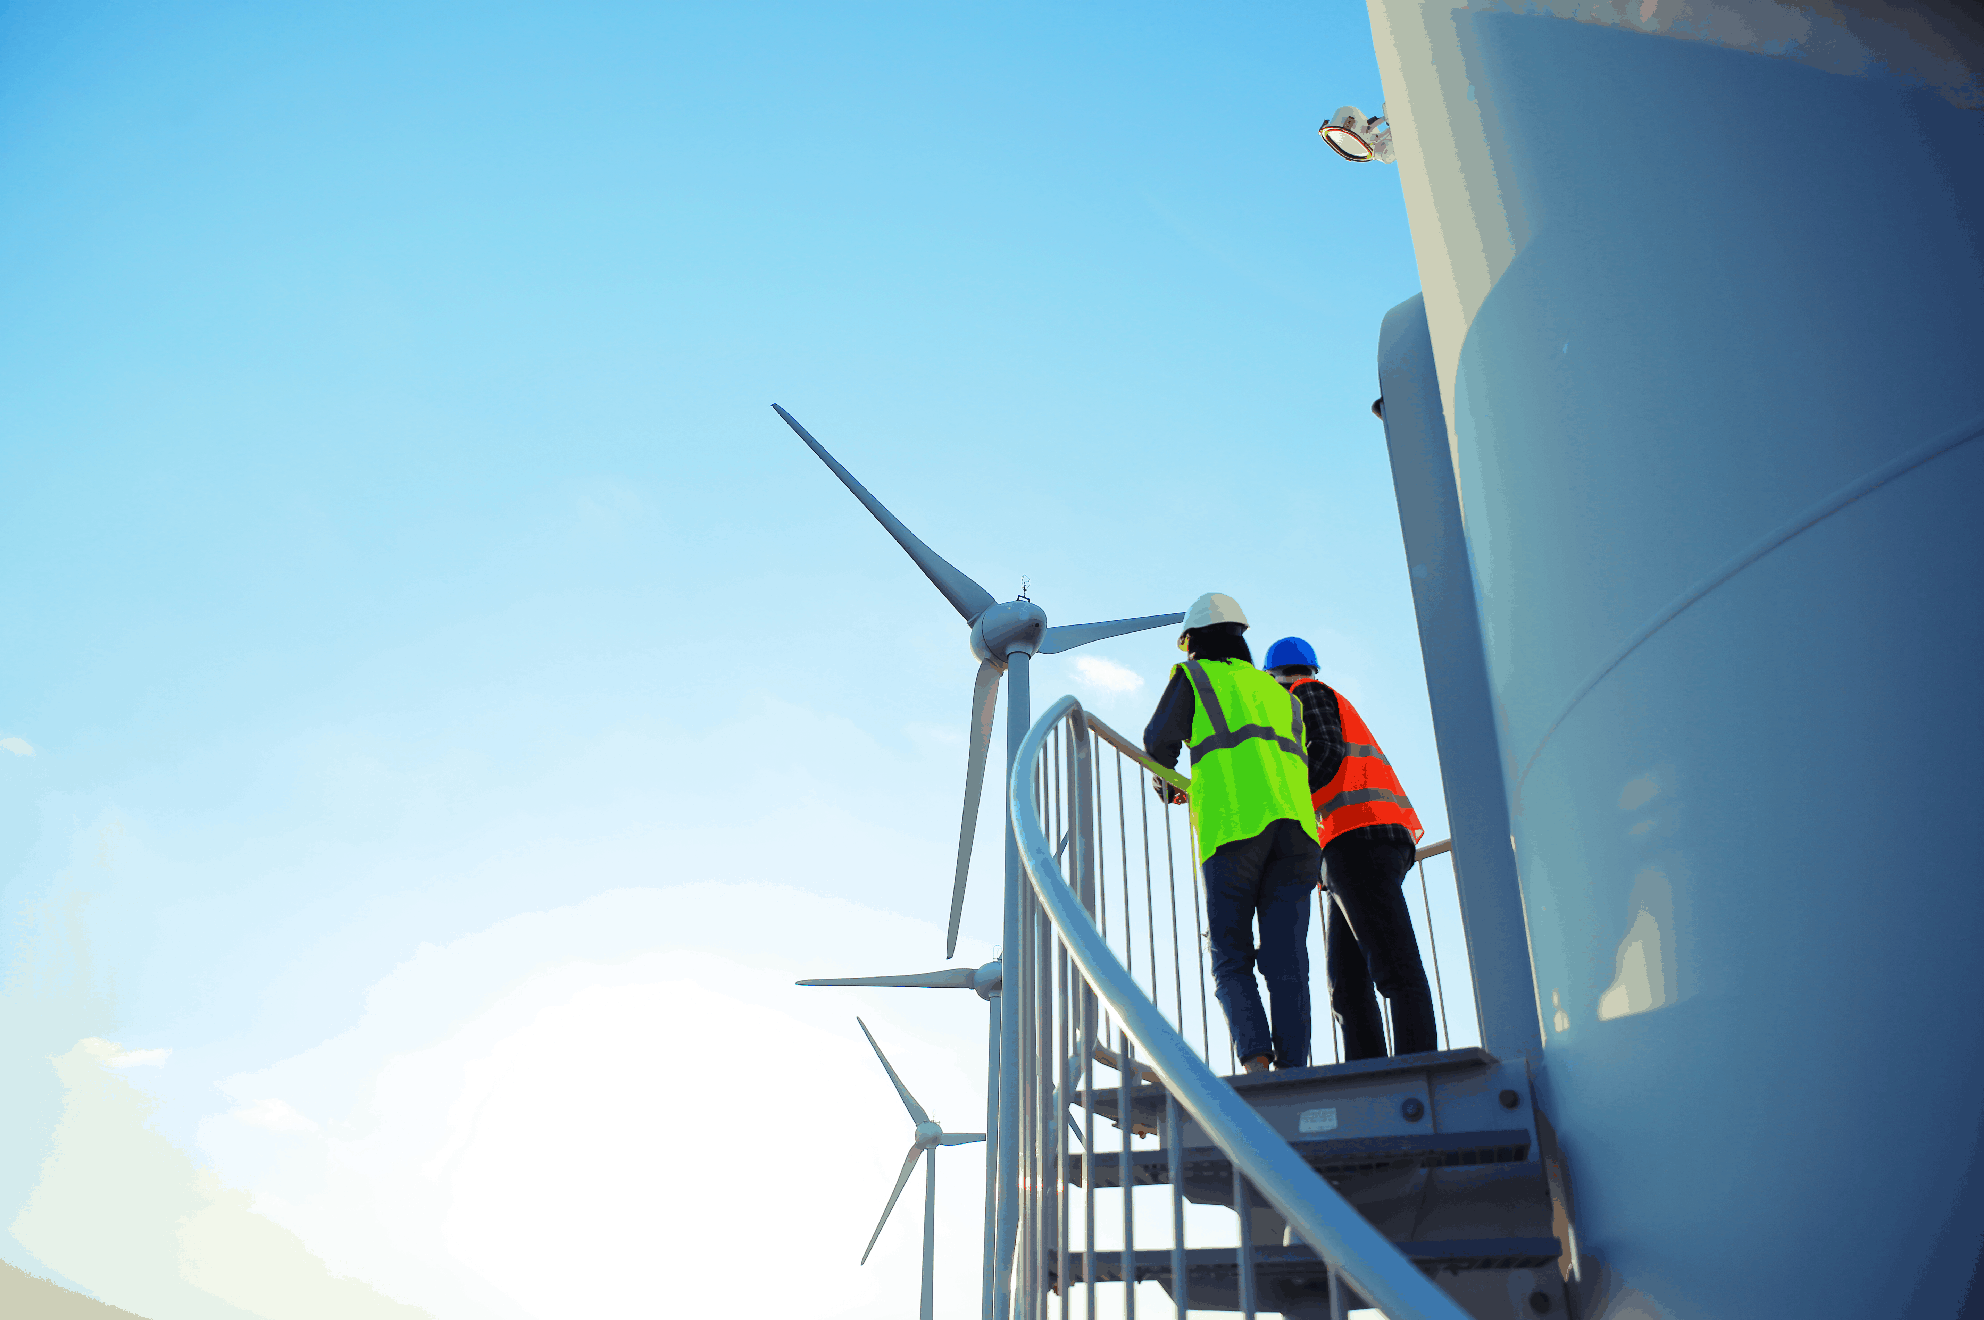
[
  {"x": 1224, "y": 737},
  {"x": 1365, "y": 790},
  {"x": 1249, "y": 768}
]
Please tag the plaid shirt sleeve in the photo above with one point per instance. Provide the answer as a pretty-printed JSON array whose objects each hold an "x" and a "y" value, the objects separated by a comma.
[{"x": 1322, "y": 721}]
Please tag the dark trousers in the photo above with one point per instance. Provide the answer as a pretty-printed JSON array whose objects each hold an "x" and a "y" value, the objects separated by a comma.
[
  {"x": 1371, "y": 941},
  {"x": 1269, "y": 877}
]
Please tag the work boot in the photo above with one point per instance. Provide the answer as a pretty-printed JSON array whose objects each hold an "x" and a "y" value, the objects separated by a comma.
[{"x": 1259, "y": 1063}]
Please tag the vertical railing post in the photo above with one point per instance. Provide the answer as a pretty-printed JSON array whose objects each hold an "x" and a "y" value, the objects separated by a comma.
[
  {"x": 1126, "y": 1172},
  {"x": 1024, "y": 1283},
  {"x": 1043, "y": 1102},
  {"x": 1083, "y": 847},
  {"x": 1064, "y": 1048},
  {"x": 1433, "y": 947},
  {"x": 1088, "y": 1150},
  {"x": 1175, "y": 1160},
  {"x": 1243, "y": 1202}
]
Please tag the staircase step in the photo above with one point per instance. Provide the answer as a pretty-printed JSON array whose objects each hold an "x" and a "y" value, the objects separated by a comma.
[
  {"x": 1349, "y": 1155},
  {"x": 1293, "y": 1279},
  {"x": 1466, "y": 1090},
  {"x": 1144, "y": 1095}
]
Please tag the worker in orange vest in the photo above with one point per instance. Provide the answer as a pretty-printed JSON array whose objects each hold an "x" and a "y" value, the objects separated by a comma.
[{"x": 1370, "y": 835}]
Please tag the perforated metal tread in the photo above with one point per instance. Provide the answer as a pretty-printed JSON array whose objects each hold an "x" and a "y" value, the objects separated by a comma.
[{"x": 1344, "y": 1156}]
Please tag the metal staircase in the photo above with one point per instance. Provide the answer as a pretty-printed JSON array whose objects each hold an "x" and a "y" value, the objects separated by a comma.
[
  {"x": 1412, "y": 1184},
  {"x": 1439, "y": 1152}
]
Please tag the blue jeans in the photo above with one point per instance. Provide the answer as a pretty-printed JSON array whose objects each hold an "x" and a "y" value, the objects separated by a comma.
[{"x": 1269, "y": 877}]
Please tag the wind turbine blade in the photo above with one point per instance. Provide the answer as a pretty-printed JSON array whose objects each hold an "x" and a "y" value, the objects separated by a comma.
[
  {"x": 966, "y": 596},
  {"x": 960, "y": 1138},
  {"x": 908, "y": 1167},
  {"x": 984, "y": 703},
  {"x": 908, "y": 1100},
  {"x": 1070, "y": 635},
  {"x": 951, "y": 978}
]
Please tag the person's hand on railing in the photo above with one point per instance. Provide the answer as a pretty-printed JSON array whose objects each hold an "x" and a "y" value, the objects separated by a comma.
[{"x": 1176, "y": 797}]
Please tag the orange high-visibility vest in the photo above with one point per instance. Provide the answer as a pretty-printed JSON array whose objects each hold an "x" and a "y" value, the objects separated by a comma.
[{"x": 1365, "y": 791}]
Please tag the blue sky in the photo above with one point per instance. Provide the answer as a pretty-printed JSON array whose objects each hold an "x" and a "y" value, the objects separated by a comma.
[{"x": 427, "y": 635}]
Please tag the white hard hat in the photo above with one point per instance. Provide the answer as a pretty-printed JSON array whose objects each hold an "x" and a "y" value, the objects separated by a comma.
[{"x": 1213, "y": 607}]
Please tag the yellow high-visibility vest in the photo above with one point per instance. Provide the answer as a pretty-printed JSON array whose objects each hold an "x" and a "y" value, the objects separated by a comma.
[{"x": 1249, "y": 767}]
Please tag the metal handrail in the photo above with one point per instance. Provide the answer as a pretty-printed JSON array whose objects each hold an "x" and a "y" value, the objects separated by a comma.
[
  {"x": 1317, "y": 1213},
  {"x": 1134, "y": 752}
]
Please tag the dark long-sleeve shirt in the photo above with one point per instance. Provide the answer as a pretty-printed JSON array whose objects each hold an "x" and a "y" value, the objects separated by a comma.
[{"x": 1170, "y": 728}]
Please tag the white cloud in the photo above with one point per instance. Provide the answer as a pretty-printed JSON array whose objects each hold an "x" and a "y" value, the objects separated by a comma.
[
  {"x": 1107, "y": 675},
  {"x": 274, "y": 1115},
  {"x": 545, "y": 1118},
  {"x": 18, "y": 746},
  {"x": 138, "y": 1059}
]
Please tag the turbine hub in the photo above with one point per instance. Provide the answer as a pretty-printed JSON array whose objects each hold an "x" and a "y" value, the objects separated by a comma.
[
  {"x": 986, "y": 980},
  {"x": 927, "y": 1134},
  {"x": 1014, "y": 626}
]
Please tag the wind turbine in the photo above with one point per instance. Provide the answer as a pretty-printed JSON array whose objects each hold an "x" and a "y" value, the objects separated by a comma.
[
  {"x": 1001, "y": 633},
  {"x": 930, "y": 1134},
  {"x": 1005, "y": 636}
]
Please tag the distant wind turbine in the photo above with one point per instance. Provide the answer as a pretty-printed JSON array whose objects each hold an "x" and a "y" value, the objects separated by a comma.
[{"x": 930, "y": 1134}]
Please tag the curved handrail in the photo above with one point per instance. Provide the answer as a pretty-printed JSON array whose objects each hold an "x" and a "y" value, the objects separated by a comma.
[{"x": 1317, "y": 1213}]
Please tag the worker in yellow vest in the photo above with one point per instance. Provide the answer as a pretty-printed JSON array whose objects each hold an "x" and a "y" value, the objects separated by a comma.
[
  {"x": 1369, "y": 834},
  {"x": 1256, "y": 828}
]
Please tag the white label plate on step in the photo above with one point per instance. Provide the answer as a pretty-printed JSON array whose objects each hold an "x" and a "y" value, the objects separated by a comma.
[{"x": 1318, "y": 1120}]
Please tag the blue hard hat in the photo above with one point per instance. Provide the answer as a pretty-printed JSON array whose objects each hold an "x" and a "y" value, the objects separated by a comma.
[{"x": 1290, "y": 651}]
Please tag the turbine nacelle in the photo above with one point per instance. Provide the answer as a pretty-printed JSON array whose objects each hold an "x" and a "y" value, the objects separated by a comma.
[
  {"x": 1008, "y": 627},
  {"x": 987, "y": 980}
]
